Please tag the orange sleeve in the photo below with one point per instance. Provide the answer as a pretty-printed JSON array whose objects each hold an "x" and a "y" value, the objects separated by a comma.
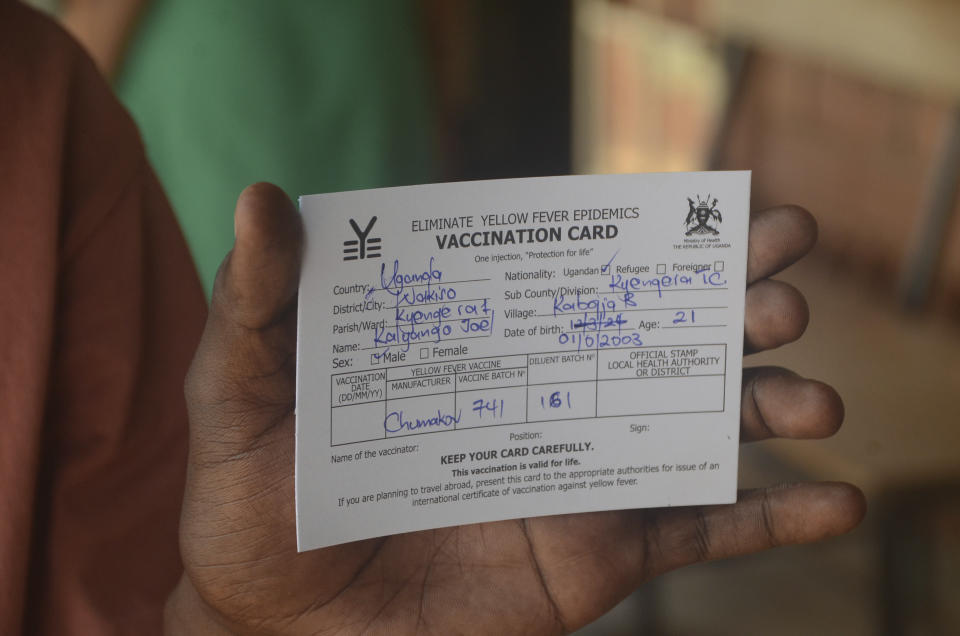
[{"x": 102, "y": 311}]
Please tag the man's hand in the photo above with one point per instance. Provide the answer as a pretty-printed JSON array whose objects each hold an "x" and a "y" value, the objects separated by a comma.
[{"x": 545, "y": 575}]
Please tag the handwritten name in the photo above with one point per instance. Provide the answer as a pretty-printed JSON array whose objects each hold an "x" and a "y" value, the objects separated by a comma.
[
  {"x": 403, "y": 286},
  {"x": 395, "y": 422},
  {"x": 621, "y": 283}
]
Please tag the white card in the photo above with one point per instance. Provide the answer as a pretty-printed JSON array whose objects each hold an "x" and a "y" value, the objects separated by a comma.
[{"x": 479, "y": 351}]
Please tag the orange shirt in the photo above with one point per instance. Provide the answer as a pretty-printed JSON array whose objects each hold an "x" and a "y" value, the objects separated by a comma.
[{"x": 100, "y": 312}]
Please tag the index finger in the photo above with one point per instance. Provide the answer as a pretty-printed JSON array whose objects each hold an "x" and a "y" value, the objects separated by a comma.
[{"x": 778, "y": 238}]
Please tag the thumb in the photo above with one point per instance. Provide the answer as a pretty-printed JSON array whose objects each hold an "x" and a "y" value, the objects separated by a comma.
[
  {"x": 259, "y": 278},
  {"x": 242, "y": 380}
]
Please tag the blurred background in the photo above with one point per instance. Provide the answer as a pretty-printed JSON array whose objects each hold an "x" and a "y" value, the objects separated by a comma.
[{"x": 850, "y": 108}]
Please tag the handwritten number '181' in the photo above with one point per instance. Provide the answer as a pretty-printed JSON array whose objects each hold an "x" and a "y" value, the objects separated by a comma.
[{"x": 555, "y": 400}]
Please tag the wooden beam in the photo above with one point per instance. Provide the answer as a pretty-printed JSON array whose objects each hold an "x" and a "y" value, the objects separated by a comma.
[{"x": 908, "y": 44}]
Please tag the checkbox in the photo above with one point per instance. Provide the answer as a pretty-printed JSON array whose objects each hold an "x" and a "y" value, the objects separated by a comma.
[
  {"x": 424, "y": 353},
  {"x": 374, "y": 358},
  {"x": 661, "y": 268},
  {"x": 718, "y": 266}
]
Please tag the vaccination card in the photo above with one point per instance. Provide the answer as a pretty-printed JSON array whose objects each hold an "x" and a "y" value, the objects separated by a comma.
[{"x": 489, "y": 350}]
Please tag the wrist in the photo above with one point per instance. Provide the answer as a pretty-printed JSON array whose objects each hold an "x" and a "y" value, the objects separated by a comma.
[{"x": 187, "y": 613}]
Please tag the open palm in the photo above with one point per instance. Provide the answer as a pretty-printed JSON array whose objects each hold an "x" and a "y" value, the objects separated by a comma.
[{"x": 544, "y": 575}]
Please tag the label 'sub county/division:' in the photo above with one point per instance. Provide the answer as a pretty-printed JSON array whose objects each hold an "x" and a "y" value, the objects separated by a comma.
[{"x": 480, "y": 351}]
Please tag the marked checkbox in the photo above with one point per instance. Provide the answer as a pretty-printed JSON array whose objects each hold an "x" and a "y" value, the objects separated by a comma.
[
  {"x": 424, "y": 353},
  {"x": 718, "y": 266},
  {"x": 374, "y": 358},
  {"x": 661, "y": 268}
]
